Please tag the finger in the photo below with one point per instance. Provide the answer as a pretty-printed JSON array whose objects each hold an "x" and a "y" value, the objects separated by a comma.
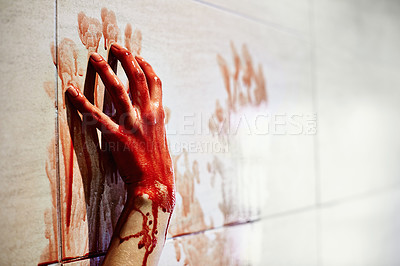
[
  {"x": 99, "y": 120},
  {"x": 153, "y": 80},
  {"x": 109, "y": 110},
  {"x": 112, "y": 61},
  {"x": 90, "y": 94},
  {"x": 128, "y": 120},
  {"x": 137, "y": 79},
  {"x": 90, "y": 83},
  {"x": 112, "y": 83},
  {"x": 108, "y": 107}
]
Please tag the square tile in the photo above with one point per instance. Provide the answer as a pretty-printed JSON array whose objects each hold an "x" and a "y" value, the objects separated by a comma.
[
  {"x": 290, "y": 239},
  {"x": 362, "y": 232},
  {"x": 357, "y": 61}
]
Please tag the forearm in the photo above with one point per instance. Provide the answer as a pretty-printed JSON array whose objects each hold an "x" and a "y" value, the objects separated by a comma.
[{"x": 140, "y": 233}]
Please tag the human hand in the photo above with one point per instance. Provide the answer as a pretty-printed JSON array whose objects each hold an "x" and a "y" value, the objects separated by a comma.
[{"x": 135, "y": 134}]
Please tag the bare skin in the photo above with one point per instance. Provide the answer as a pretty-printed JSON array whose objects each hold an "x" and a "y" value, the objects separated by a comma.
[{"x": 137, "y": 134}]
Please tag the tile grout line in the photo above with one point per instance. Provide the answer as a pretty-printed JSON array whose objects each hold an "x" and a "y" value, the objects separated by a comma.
[
  {"x": 233, "y": 224},
  {"x": 318, "y": 239},
  {"x": 85, "y": 257},
  {"x": 57, "y": 133},
  {"x": 361, "y": 196},
  {"x": 315, "y": 106}
]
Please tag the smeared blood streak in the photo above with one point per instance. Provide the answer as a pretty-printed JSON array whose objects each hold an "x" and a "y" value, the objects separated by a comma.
[
  {"x": 149, "y": 238},
  {"x": 69, "y": 176},
  {"x": 166, "y": 231},
  {"x": 50, "y": 215},
  {"x": 95, "y": 92}
]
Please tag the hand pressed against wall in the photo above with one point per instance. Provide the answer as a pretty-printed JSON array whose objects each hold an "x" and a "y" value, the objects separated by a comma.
[{"x": 135, "y": 134}]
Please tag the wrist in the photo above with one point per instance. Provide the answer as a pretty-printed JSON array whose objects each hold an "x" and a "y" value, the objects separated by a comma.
[{"x": 159, "y": 194}]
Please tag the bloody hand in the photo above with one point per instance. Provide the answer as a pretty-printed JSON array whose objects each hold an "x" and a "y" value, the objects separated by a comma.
[{"x": 135, "y": 134}]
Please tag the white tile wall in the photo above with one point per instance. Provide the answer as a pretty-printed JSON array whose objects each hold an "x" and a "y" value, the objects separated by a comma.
[{"x": 336, "y": 59}]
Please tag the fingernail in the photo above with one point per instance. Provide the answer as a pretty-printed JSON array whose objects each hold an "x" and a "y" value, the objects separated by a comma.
[
  {"x": 139, "y": 57},
  {"x": 72, "y": 91},
  {"x": 117, "y": 46},
  {"x": 96, "y": 57}
]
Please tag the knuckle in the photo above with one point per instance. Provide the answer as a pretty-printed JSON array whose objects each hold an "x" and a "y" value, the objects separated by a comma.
[
  {"x": 139, "y": 76},
  {"x": 162, "y": 114},
  {"x": 117, "y": 88},
  {"x": 159, "y": 112},
  {"x": 150, "y": 118},
  {"x": 157, "y": 81},
  {"x": 96, "y": 115}
]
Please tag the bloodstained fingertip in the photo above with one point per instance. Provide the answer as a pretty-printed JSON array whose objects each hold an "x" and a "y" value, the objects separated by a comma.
[
  {"x": 116, "y": 46},
  {"x": 96, "y": 57},
  {"x": 72, "y": 91},
  {"x": 139, "y": 58}
]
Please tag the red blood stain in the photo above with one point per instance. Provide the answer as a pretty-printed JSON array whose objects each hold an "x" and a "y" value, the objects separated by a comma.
[
  {"x": 227, "y": 206},
  {"x": 189, "y": 215},
  {"x": 133, "y": 43},
  {"x": 202, "y": 249},
  {"x": 89, "y": 31},
  {"x": 110, "y": 27},
  {"x": 67, "y": 71},
  {"x": 66, "y": 63},
  {"x": 244, "y": 87},
  {"x": 69, "y": 178},
  {"x": 50, "y": 215},
  {"x": 147, "y": 234}
]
